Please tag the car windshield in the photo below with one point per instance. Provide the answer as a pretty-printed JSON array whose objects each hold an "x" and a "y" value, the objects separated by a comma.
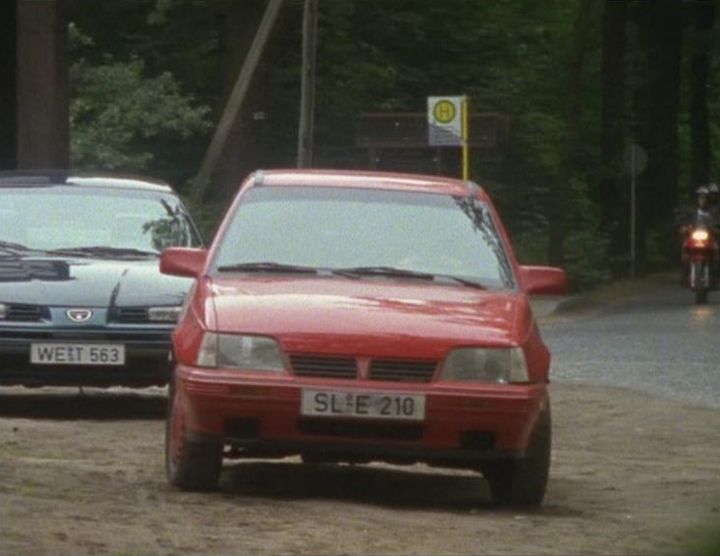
[
  {"x": 93, "y": 221},
  {"x": 365, "y": 232}
]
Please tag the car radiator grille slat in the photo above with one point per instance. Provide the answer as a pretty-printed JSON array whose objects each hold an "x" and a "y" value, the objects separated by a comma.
[
  {"x": 347, "y": 368},
  {"x": 129, "y": 314},
  {"x": 326, "y": 367},
  {"x": 403, "y": 371},
  {"x": 26, "y": 313}
]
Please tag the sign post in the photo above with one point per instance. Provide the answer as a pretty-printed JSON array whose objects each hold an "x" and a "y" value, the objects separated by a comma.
[{"x": 448, "y": 125}]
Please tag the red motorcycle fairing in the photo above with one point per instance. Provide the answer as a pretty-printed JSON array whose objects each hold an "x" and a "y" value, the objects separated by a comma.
[{"x": 700, "y": 261}]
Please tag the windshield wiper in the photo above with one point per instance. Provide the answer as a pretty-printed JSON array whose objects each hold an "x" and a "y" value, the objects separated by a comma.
[
  {"x": 393, "y": 272},
  {"x": 103, "y": 250},
  {"x": 383, "y": 271},
  {"x": 11, "y": 247},
  {"x": 268, "y": 267}
]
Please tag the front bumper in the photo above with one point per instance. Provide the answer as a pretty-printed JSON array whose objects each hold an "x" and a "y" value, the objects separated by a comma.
[
  {"x": 146, "y": 356},
  {"x": 256, "y": 416}
]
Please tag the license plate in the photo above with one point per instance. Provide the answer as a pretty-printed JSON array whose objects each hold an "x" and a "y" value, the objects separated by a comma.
[
  {"x": 77, "y": 354},
  {"x": 363, "y": 404}
]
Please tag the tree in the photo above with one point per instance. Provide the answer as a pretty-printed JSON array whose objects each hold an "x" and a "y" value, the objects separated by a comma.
[
  {"x": 613, "y": 201},
  {"x": 561, "y": 192},
  {"x": 702, "y": 24},
  {"x": 658, "y": 39}
]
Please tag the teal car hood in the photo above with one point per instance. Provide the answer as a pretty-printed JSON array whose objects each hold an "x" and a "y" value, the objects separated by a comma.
[{"x": 88, "y": 282}]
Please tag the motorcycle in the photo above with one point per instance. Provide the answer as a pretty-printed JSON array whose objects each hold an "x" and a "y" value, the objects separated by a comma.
[{"x": 700, "y": 260}]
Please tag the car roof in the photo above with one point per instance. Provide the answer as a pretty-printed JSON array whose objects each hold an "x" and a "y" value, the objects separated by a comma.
[
  {"x": 442, "y": 185},
  {"x": 110, "y": 180}
]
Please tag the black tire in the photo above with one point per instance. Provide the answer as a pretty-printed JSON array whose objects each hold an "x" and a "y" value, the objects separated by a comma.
[
  {"x": 522, "y": 482},
  {"x": 699, "y": 287},
  {"x": 190, "y": 463}
]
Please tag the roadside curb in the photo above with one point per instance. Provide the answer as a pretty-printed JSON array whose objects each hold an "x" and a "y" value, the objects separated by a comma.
[
  {"x": 573, "y": 303},
  {"x": 544, "y": 306},
  {"x": 608, "y": 294}
]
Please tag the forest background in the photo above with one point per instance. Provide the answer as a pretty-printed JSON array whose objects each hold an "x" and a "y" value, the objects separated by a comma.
[{"x": 578, "y": 82}]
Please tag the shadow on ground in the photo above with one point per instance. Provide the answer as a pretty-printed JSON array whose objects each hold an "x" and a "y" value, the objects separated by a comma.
[
  {"x": 72, "y": 404},
  {"x": 415, "y": 487}
]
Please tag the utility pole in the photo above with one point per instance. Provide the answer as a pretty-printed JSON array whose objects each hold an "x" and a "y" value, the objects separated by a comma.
[
  {"x": 307, "y": 94},
  {"x": 234, "y": 103}
]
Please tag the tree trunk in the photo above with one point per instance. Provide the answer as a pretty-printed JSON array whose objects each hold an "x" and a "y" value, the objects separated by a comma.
[
  {"x": 656, "y": 105},
  {"x": 42, "y": 79},
  {"x": 561, "y": 191},
  {"x": 613, "y": 185},
  {"x": 8, "y": 83},
  {"x": 704, "y": 16}
]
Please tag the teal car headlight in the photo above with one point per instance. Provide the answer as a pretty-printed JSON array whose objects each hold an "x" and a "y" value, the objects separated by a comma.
[
  {"x": 164, "y": 314},
  {"x": 495, "y": 365},
  {"x": 240, "y": 351}
]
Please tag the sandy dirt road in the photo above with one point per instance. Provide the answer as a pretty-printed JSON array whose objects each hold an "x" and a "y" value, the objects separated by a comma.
[{"x": 631, "y": 474}]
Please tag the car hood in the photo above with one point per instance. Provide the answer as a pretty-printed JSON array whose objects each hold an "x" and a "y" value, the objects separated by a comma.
[
  {"x": 381, "y": 314},
  {"x": 88, "y": 282}
]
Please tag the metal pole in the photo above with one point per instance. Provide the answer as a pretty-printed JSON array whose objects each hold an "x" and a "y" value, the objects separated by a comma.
[
  {"x": 465, "y": 141},
  {"x": 633, "y": 207},
  {"x": 307, "y": 90}
]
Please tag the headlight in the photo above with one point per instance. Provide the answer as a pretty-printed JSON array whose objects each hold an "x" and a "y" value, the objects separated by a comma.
[
  {"x": 700, "y": 235},
  {"x": 3, "y": 311},
  {"x": 499, "y": 365},
  {"x": 164, "y": 314},
  {"x": 252, "y": 353}
]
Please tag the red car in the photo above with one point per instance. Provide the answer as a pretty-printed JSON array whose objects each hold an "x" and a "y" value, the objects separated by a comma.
[{"x": 361, "y": 316}]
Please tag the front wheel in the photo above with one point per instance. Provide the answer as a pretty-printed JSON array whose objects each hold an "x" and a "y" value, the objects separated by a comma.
[
  {"x": 190, "y": 463},
  {"x": 522, "y": 482},
  {"x": 700, "y": 281}
]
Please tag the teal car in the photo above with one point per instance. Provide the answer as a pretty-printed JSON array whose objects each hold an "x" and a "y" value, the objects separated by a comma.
[{"x": 82, "y": 300}]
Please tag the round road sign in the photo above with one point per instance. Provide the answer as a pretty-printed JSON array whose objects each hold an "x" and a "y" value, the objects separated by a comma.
[{"x": 444, "y": 111}]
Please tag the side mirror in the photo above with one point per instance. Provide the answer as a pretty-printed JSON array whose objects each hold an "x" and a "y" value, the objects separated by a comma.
[
  {"x": 546, "y": 280},
  {"x": 183, "y": 261}
]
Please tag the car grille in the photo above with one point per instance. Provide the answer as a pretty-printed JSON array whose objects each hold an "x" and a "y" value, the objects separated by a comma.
[
  {"x": 128, "y": 315},
  {"x": 27, "y": 313},
  {"x": 347, "y": 368},
  {"x": 139, "y": 337},
  {"x": 326, "y": 367},
  {"x": 405, "y": 371}
]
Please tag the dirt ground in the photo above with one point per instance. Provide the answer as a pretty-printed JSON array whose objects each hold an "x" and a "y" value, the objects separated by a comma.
[{"x": 631, "y": 474}]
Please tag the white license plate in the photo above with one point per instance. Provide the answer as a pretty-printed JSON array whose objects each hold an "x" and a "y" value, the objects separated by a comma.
[
  {"x": 77, "y": 354},
  {"x": 373, "y": 405}
]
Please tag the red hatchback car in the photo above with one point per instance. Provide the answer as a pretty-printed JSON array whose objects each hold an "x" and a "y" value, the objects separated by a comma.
[{"x": 359, "y": 316}]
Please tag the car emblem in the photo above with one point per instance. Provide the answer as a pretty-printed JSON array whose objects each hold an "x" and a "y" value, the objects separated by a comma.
[{"x": 79, "y": 315}]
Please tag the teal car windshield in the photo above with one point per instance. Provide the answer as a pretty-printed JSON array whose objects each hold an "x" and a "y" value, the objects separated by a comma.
[
  {"x": 379, "y": 230},
  {"x": 71, "y": 217}
]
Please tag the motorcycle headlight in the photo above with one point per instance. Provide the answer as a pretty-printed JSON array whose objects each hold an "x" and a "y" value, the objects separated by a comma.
[
  {"x": 498, "y": 365},
  {"x": 252, "y": 353},
  {"x": 3, "y": 311},
  {"x": 700, "y": 235},
  {"x": 164, "y": 314}
]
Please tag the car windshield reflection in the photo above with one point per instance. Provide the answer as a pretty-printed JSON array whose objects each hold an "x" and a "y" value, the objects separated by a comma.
[
  {"x": 369, "y": 233},
  {"x": 67, "y": 220}
]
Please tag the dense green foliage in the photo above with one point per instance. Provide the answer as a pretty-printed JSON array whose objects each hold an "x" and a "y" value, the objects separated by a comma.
[{"x": 153, "y": 73}]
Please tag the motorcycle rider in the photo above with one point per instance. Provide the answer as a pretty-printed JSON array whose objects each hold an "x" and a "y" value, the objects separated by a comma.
[
  {"x": 714, "y": 202},
  {"x": 703, "y": 210},
  {"x": 705, "y": 214}
]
